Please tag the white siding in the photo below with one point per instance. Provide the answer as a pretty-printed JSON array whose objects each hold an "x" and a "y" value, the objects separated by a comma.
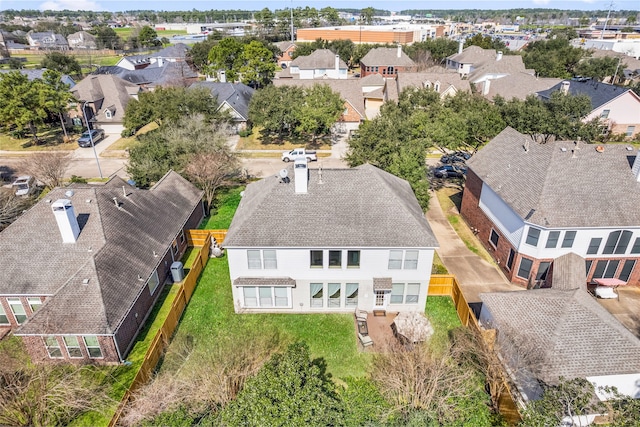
[{"x": 501, "y": 215}]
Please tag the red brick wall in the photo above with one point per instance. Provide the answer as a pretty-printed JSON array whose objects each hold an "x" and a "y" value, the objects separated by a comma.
[
  {"x": 351, "y": 116},
  {"x": 38, "y": 351},
  {"x": 7, "y": 310},
  {"x": 364, "y": 72}
]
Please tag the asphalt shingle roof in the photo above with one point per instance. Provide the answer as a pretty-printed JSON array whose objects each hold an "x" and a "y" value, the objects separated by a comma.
[
  {"x": 105, "y": 91},
  {"x": 359, "y": 207},
  {"x": 446, "y": 79},
  {"x": 519, "y": 85},
  {"x": 560, "y": 188},
  {"x": 599, "y": 93},
  {"x": 115, "y": 247},
  {"x": 387, "y": 56},
  {"x": 321, "y": 58},
  {"x": 237, "y": 95},
  {"x": 575, "y": 335},
  {"x": 169, "y": 73}
]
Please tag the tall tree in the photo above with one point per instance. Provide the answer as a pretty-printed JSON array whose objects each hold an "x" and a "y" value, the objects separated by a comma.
[
  {"x": 106, "y": 37},
  {"x": 600, "y": 68},
  {"x": 148, "y": 37},
  {"x": 366, "y": 15},
  {"x": 58, "y": 61},
  {"x": 56, "y": 96},
  {"x": 198, "y": 55},
  {"x": 211, "y": 169},
  {"x": 258, "y": 64},
  {"x": 226, "y": 56},
  {"x": 554, "y": 57},
  {"x": 20, "y": 105}
]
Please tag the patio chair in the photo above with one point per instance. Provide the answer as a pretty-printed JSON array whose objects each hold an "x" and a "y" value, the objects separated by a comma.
[
  {"x": 365, "y": 340},
  {"x": 361, "y": 314}
]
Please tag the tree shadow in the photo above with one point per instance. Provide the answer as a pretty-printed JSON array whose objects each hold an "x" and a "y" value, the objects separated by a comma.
[{"x": 7, "y": 173}]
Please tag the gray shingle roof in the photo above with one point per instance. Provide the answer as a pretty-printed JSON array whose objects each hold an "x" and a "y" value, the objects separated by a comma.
[
  {"x": 321, "y": 58},
  {"x": 360, "y": 207},
  {"x": 105, "y": 91},
  {"x": 170, "y": 73},
  {"x": 574, "y": 333},
  {"x": 473, "y": 55},
  {"x": 564, "y": 191},
  {"x": 446, "y": 79},
  {"x": 237, "y": 95},
  {"x": 39, "y": 74},
  {"x": 264, "y": 281},
  {"x": 599, "y": 93},
  {"x": 114, "y": 247},
  {"x": 386, "y": 56},
  {"x": 509, "y": 64},
  {"x": 519, "y": 85}
]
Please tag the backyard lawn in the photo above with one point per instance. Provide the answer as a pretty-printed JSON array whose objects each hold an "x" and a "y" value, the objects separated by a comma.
[{"x": 227, "y": 201}]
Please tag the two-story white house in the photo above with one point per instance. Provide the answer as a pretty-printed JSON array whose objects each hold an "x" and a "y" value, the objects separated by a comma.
[
  {"x": 329, "y": 240},
  {"x": 321, "y": 64},
  {"x": 531, "y": 203}
]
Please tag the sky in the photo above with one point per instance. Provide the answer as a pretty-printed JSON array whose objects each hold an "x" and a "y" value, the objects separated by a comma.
[{"x": 118, "y": 5}]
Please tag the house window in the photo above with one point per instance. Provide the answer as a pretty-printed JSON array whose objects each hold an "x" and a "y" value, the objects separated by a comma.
[
  {"x": 436, "y": 87},
  {"x": 552, "y": 240},
  {"x": 635, "y": 249},
  {"x": 53, "y": 347},
  {"x": 108, "y": 114},
  {"x": 73, "y": 347},
  {"x": 265, "y": 296},
  {"x": 390, "y": 70},
  {"x": 627, "y": 268},
  {"x": 353, "y": 259},
  {"x": 413, "y": 292},
  {"x": 587, "y": 265},
  {"x": 512, "y": 256},
  {"x": 630, "y": 130},
  {"x": 34, "y": 303},
  {"x": 594, "y": 246},
  {"x": 93, "y": 346},
  {"x": 270, "y": 260},
  {"x": 427, "y": 84},
  {"x": 334, "y": 294},
  {"x": 281, "y": 296},
  {"x": 17, "y": 309},
  {"x": 542, "y": 270},
  {"x": 182, "y": 238},
  {"x": 397, "y": 293},
  {"x": 4, "y": 320},
  {"x": 411, "y": 260},
  {"x": 153, "y": 282},
  {"x": 351, "y": 294},
  {"x": 335, "y": 259},
  {"x": 606, "y": 269},
  {"x": 525, "y": 268},
  {"x": 605, "y": 114},
  {"x": 493, "y": 238},
  {"x": 316, "y": 294},
  {"x": 376, "y": 69},
  {"x": 174, "y": 247},
  {"x": 250, "y": 297},
  {"x": 569, "y": 237},
  {"x": 395, "y": 260},
  {"x": 533, "y": 236},
  {"x": 316, "y": 259},
  {"x": 617, "y": 242},
  {"x": 253, "y": 258}
]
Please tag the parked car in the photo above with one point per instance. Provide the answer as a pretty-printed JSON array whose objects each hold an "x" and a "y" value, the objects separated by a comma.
[
  {"x": 449, "y": 171},
  {"x": 289, "y": 156},
  {"x": 24, "y": 185},
  {"x": 456, "y": 157},
  {"x": 96, "y": 135}
]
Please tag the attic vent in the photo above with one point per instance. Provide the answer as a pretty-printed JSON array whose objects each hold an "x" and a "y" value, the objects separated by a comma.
[
  {"x": 563, "y": 149},
  {"x": 88, "y": 200},
  {"x": 140, "y": 278},
  {"x": 526, "y": 146},
  {"x": 85, "y": 281},
  {"x": 68, "y": 193},
  {"x": 530, "y": 214},
  {"x": 629, "y": 148}
]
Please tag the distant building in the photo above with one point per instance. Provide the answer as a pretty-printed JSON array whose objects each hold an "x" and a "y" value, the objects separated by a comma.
[
  {"x": 387, "y": 62},
  {"x": 82, "y": 40},
  {"x": 47, "y": 41},
  {"x": 392, "y": 34}
]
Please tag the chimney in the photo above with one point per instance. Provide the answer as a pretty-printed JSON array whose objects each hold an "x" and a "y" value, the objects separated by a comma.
[
  {"x": 160, "y": 62},
  {"x": 636, "y": 167},
  {"x": 399, "y": 51},
  {"x": 301, "y": 176},
  {"x": 223, "y": 76},
  {"x": 485, "y": 87},
  {"x": 337, "y": 63},
  {"x": 66, "y": 219},
  {"x": 499, "y": 55},
  {"x": 564, "y": 88},
  {"x": 460, "y": 46}
]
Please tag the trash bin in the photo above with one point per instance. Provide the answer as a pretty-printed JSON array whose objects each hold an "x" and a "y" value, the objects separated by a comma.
[{"x": 177, "y": 271}]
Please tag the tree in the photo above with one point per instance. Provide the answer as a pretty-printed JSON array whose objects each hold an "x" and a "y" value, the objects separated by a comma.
[
  {"x": 366, "y": 15},
  {"x": 20, "y": 105},
  {"x": 11, "y": 207},
  {"x": 432, "y": 51},
  {"x": 58, "y": 61},
  {"x": 106, "y": 37},
  {"x": 289, "y": 390},
  {"x": 258, "y": 65},
  {"x": 317, "y": 110},
  {"x": 211, "y": 169},
  {"x": 56, "y": 96},
  {"x": 553, "y": 57},
  {"x": 599, "y": 68},
  {"x": 486, "y": 42},
  {"x": 148, "y": 37},
  {"x": 330, "y": 15},
  {"x": 226, "y": 56},
  {"x": 198, "y": 55},
  {"x": 48, "y": 167}
]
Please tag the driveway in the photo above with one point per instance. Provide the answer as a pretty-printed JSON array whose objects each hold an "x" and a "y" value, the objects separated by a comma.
[{"x": 474, "y": 274}]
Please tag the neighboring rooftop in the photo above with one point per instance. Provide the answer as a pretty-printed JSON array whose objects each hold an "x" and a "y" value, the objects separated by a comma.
[
  {"x": 319, "y": 59},
  {"x": 518, "y": 85},
  {"x": 349, "y": 90},
  {"x": 236, "y": 95},
  {"x": 555, "y": 188},
  {"x": 168, "y": 73},
  {"x": 387, "y": 56},
  {"x": 106, "y": 91},
  {"x": 599, "y": 93},
  {"x": 359, "y": 207}
]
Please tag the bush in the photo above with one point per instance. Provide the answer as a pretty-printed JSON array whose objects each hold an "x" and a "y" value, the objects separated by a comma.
[
  {"x": 439, "y": 269},
  {"x": 245, "y": 132},
  {"x": 75, "y": 179}
]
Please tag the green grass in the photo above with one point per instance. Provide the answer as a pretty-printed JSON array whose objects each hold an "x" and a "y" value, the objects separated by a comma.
[
  {"x": 444, "y": 318},
  {"x": 210, "y": 318},
  {"x": 51, "y": 138},
  {"x": 227, "y": 201},
  {"x": 256, "y": 141},
  {"x": 126, "y": 143}
]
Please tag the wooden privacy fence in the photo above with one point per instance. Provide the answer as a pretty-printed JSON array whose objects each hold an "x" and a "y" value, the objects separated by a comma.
[
  {"x": 447, "y": 285},
  {"x": 197, "y": 237},
  {"x": 164, "y": 334}
]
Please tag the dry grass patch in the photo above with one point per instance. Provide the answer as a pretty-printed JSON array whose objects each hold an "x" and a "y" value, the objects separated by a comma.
[
  {"x": 126, "y": 143},
  {"x": 255, "y": 142}
]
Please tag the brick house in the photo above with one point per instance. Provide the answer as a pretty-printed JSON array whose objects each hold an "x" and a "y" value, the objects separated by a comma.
[
  {"x": 386, "y": 61},
  {"x": 286, "y": 56},
  {"x": 83, "y": 268},
  {"x": 531, "y": 203}
]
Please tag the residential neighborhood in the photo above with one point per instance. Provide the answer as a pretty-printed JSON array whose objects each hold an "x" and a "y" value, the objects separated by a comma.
[{"x": 328, "y": 216}]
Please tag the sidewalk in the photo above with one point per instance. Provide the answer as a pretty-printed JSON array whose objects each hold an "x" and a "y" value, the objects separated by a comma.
[{"x": 474, "y": 274}]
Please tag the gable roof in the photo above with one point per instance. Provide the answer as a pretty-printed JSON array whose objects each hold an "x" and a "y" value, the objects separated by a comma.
[
  {"x": 519, "y": 85},
  {"x": 174, "y": 51},
  {"x": 599, "y": 93},
  {"x": 473, "y": 55},
  {"x": 575, "y": 334},
  {"x": 236, "y": 95},
  {"x": 114, "y": 251},
  {"x": 508, "y": 64},
  {"x": 349, "y": 90},
  {"x": 154, "y": 75},
  {"x": 321, "y": 58},
  {"x": 387, "y": 56},
  {"x": 359, "y": 207},
  {"x": 446, "y": 79},
  {"x": 553, "y": 189},
  {"x": 106, "y": 91}
]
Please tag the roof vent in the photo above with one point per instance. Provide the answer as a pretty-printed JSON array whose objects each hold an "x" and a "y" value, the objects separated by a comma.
[
  {"x": 115, "y": 200},
  {"x": 85, "y": 281},
  {"x": 88, "y": 201},
  {"x": 563, "y": 149},
  {"x": 68, "y": 193},
  {"x": 526, "y": 146},
  {"x": 139, "y": 277}
]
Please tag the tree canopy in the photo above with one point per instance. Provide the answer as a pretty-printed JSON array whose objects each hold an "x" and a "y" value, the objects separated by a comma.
[
  {"x": 554, "y": 57},
  {"x": 250, "y": 61},
  {"x": 59, "y": 61}
]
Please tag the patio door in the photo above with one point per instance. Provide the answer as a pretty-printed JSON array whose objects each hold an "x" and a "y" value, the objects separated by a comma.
[{"x": 382, "y": 298}]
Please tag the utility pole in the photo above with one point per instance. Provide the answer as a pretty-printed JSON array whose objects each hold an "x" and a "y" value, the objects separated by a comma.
[
  {"x": 291, "y": 21},
  {"x": 86, "y": 120},
  {"x": 606, "y": 20}
]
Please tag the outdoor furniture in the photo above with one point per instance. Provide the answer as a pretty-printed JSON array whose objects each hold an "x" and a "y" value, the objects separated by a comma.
[
  {"x": 606, "y": 288},
  {"x": 362, "y": 327},
  {"x": 365, "y": 340},
  {"x": 361, "y": 314},
  {"x": 381, "y": 313},
  {"x": 412, "y": 327}
]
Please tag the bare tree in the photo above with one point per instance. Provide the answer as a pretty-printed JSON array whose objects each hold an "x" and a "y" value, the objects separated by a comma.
[
  {"x": 47, "y": 167},
  {"x": 210, "y": 170},
  {"x": 11, "y": 206}
]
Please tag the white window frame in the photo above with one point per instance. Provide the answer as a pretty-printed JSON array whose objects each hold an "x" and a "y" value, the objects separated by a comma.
[
  {"x": 411, "y": 259},
  {"x": 395, "y": 259},
  {"x": 398, "y": 296},
  {"x": 491, "y": 234},
  {"x": 13, "y": 303},
  {"x": 319, "y": 301},
  {"x": 605, "y": 114},
  {"x": 332, "y": 300},
  {"x": 260, "y": 294},
  {"x": 182, "y": 237},
  {"x": 311, "y": 265},
  {"x": 520, "y": 267},
  {"x": 351, "y": 301},
  {"x": 34, "y": 303},
  {"x": 50, "y": 347},
  {"x": 349, "y": 265},
  {"x": 91, "y": 347},
  {"x": 537, "y": 238},
  {"x": 412, "y": 293},
  {"x": 107, "y": 114},
  {"x": 153, "y": 282},
  {"x": 74, "y": 347},
  {"x": 270, "y": 259},
  {"x": 334, "y": 251},
  {"x": 254, "y": 260},
  {"x": 4, "y": 318}
]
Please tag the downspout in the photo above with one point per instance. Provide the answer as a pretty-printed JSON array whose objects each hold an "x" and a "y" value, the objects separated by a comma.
[{"x": 115, "y": 341}]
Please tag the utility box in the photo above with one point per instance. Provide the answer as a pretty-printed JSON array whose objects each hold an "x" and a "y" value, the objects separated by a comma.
[{"x": 177, "y": 272}]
